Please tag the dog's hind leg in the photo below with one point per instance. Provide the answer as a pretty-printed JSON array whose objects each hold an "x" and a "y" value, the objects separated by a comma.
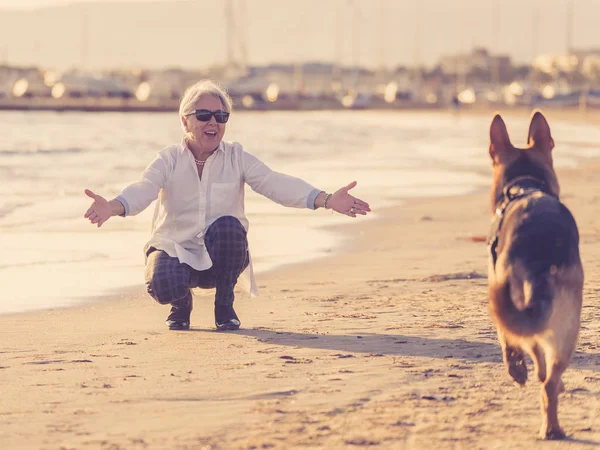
[
  {"x": 551, "y": 388},
  {"x": 539, "y": 360},
  {"x": 514, "y": 361}
]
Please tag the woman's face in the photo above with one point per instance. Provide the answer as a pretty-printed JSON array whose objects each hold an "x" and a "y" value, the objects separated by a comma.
[{"x": 206, "y": 135}]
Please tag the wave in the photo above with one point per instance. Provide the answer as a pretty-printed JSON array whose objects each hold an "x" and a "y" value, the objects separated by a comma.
[
  {"x": 41, "y": 151},
  {"x": 84, "y": 258},
  {"x": 580, "y": 144},
  {"x": 11, "y": 207}
]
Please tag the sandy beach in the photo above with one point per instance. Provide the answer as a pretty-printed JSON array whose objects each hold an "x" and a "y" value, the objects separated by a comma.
[{"x": 385, "y": 344}]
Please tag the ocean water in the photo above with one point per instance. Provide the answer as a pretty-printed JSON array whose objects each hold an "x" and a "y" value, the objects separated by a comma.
[{"x": 50, "y": 256}]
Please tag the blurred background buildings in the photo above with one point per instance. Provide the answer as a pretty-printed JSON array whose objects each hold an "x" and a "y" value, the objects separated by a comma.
[{"x": 474, "y": 75}]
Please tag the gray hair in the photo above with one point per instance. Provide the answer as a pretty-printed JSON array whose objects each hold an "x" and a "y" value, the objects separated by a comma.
[{"x": 194, "y": 92}]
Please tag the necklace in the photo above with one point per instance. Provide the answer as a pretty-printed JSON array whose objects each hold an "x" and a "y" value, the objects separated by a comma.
[{"x": 200, "y": 163}]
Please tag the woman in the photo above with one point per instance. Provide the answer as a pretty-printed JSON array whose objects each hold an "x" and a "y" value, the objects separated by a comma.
[{"x": 199, "y": 228}]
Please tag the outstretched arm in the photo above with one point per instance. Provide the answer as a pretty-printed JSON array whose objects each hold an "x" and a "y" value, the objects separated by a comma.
[
  {"x": 342, "y": 202},
  {"x": 102, "y": 210},
  {"x": 291, "y": 191},
  {"x": 134, "y": 198},
  {"x": 281, "y": 188}
]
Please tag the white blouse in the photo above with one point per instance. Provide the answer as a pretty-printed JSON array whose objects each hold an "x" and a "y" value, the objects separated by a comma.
[{"x": 188, "y": 205}]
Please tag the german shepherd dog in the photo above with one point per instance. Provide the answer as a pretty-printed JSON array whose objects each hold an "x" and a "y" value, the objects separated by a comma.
[{"x": 535, "y": 272}]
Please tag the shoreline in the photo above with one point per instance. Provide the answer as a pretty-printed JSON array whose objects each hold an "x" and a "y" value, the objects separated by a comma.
[
  {"x": 386, "y": 344},
  {"x": 589, "y": 114}
]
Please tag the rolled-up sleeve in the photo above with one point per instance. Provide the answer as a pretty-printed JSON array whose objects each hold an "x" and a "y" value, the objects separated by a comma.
[
  {"x": 310, "y": 201},
  {"x": 137, "y": 196},
  {"x": 281, "y": 188},
  {"x": 126, "y": 208}
]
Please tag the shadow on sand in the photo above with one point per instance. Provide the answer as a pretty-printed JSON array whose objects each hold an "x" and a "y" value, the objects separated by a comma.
[
  {"x": 573, "y": 440},
  {"x": 399, "y": 345}
]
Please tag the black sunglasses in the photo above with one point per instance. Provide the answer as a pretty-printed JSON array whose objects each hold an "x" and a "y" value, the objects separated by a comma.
[{"x": 204, "y": 115}]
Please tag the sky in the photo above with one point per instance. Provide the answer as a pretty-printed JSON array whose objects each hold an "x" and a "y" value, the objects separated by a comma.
[{"x": 192, "y": 33}]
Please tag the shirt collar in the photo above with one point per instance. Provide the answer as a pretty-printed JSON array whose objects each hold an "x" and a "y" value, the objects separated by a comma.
[{"x": 220, "y": 148}]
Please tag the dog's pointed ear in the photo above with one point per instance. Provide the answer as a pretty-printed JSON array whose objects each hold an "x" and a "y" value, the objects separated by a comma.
[
  {"x": 499, "y": 139},
  {"x": 539, "y": 132}
]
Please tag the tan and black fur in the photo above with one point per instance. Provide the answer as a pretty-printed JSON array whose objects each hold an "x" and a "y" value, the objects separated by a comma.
[{"x": 535, "y": 272}]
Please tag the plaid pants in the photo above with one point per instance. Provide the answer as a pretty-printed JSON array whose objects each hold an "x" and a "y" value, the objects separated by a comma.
[{"x": 168, "y": 281}]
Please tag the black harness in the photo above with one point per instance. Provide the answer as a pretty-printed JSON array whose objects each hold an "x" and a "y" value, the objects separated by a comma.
[{"x": 516, "y": 189}]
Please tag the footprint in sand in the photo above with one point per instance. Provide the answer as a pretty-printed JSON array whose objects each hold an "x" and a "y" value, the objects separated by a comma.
[
  {"x": 342, "y": 356},
  {"x": 361, "y": 442},
  {"x": 292, "y": 360}
]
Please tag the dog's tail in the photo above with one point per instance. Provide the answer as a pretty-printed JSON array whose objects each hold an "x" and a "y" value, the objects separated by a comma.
[{"x": 524, "y": 306}]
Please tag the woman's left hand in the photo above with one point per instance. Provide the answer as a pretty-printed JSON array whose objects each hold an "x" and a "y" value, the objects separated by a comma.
[{"x": 344, "y": 203}]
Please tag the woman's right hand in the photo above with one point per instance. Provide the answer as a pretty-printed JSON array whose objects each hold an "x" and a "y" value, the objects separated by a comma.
[{"x": 100, "y": 211}]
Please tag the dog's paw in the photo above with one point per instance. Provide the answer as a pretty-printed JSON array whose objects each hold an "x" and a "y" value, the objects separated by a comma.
[
  {"x": 518, "y": 371},
  {"x": 552, "y": 433}
]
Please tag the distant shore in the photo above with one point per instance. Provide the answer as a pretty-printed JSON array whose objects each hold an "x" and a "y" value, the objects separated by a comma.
[
  {"x": 125, "y": 105},
  {"x": 119, "y": 104}
]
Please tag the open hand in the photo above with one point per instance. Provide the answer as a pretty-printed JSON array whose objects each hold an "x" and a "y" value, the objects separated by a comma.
[
  {"x": 344, "y": 203},
  {"x": 100, "y": 211}
]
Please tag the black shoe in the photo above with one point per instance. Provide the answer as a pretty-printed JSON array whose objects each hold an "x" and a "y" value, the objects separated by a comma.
[
  {"x": 179, "y": 319},
  {"x": 226, "y": 318},
  {"x": 231, "y": 324},
  {"x": 178, "y": 325}
]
